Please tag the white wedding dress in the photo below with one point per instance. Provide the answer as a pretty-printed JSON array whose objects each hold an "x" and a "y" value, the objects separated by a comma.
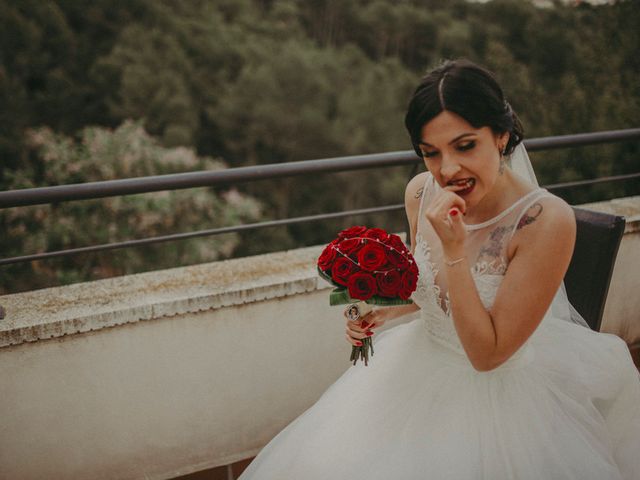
[{"x": 566, "y": 405}]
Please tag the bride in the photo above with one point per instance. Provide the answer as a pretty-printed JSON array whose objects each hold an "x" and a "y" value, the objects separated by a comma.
[{"x": 497, "y": 378}]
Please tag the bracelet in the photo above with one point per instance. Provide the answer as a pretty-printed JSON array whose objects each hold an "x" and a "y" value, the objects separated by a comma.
[{"x": 453, "y": 262}]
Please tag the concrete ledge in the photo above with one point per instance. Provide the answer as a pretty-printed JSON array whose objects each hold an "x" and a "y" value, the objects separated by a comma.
[
  {"x": 84, "y": 307},
  {"x": 628, "y": 207}
]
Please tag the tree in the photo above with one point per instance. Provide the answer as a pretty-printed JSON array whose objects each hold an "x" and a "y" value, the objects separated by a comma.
[{"x": 101, "y": 154}]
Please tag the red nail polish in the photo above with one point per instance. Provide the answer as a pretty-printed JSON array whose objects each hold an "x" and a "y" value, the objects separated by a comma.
[
  {"x": 368, "y": 334},
  {"x": 359, "y": 344},
  {"x": 453, "y": 212}
]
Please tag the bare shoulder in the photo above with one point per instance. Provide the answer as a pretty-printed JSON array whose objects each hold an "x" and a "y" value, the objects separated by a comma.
[
  {"x": 412, "y": 197},
  {"x": 549, "y": 220},
  {"x": 415, "y": 191}
]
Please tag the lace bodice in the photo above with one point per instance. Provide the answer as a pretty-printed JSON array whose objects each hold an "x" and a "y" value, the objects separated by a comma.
[
  {"x": 486, "y": 243},
  {"x": 428, "y": 295}
]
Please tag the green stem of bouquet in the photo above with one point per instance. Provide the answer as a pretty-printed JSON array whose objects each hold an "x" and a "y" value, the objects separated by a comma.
[{"x": 363, "y": 352}]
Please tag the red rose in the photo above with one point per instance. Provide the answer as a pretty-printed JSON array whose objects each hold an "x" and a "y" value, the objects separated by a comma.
[
  {"x": 352, "y": 232},
  {"x": 408, "y": 283},
  {"x": 413, "y": 268},
  {"x": 398, "y": 259},
  {"x": 377, "y": 233},
  {"x": 362, "y": 286},
  {"x": 404, "y": 294},
  {"x": 372, "y": 256},
  {"x": 396, "y": 242},
  {"x": 342, "y": 269},
  {"x": 327, "y": 257},
  {"x": 389, "y": 283},
  {"x": 349, "y": 245}
]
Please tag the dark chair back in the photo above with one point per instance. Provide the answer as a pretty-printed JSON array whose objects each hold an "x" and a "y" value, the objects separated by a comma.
[{"x": 587, "y": 279}]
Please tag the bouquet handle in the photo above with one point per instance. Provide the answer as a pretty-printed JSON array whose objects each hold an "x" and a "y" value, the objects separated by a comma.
[{"x": 354, "y": 312}]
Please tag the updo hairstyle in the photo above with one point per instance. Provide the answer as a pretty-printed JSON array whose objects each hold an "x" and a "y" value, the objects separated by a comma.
[{"x": 468, "y": 90}]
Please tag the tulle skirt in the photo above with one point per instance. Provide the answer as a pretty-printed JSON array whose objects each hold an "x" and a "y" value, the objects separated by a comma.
[{"x": 569, "y": 408}]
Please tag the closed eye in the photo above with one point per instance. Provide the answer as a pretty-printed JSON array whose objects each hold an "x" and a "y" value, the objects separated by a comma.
[
  {"x": 429, "y": 154},
  {"x": 463, "y": 147}
]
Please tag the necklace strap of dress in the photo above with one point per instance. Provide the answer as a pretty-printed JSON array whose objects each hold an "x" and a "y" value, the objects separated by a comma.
[{"x": 506, "y": 211}]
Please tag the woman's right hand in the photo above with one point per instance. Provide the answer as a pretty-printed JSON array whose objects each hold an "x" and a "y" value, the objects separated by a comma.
[{"x": 363, "y": 327}]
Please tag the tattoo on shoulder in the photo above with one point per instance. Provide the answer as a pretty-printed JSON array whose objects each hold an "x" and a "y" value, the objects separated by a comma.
[
  {"x": 530, "y": 216},
  {"x": 419, "y": 192}
]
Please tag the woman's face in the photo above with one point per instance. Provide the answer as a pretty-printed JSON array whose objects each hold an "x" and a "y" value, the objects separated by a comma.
[{"x": 456, "y": 153}]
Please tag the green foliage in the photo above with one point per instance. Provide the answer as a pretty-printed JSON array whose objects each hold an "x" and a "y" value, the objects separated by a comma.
[
  {"x": 101, "y": 154},
  {"x": 270, "y": 81}
]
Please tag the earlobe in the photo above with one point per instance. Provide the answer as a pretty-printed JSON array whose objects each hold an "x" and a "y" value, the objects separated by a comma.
[{"x": 504, "y": 141}]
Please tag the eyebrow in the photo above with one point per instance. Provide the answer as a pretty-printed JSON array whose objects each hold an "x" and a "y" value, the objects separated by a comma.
[{"x": 426, "y": 144}]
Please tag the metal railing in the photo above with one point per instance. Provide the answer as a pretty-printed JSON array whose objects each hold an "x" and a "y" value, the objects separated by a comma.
[{"x": 233, "y": 176}]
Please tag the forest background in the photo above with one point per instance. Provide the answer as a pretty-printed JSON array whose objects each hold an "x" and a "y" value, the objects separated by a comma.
[{"x": 97, "y": 90}]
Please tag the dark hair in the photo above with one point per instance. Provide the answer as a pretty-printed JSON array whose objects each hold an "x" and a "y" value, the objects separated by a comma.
[{"x": 464, "y": 88}]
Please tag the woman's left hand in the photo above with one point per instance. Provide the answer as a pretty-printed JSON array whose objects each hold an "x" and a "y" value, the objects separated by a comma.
[
  {"x": 359, "y": 329},
  {"x": 445, "y": 215}
]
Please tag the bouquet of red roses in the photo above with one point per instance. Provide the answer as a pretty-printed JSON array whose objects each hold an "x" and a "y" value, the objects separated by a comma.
[{"x": 369, "y": 265}]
